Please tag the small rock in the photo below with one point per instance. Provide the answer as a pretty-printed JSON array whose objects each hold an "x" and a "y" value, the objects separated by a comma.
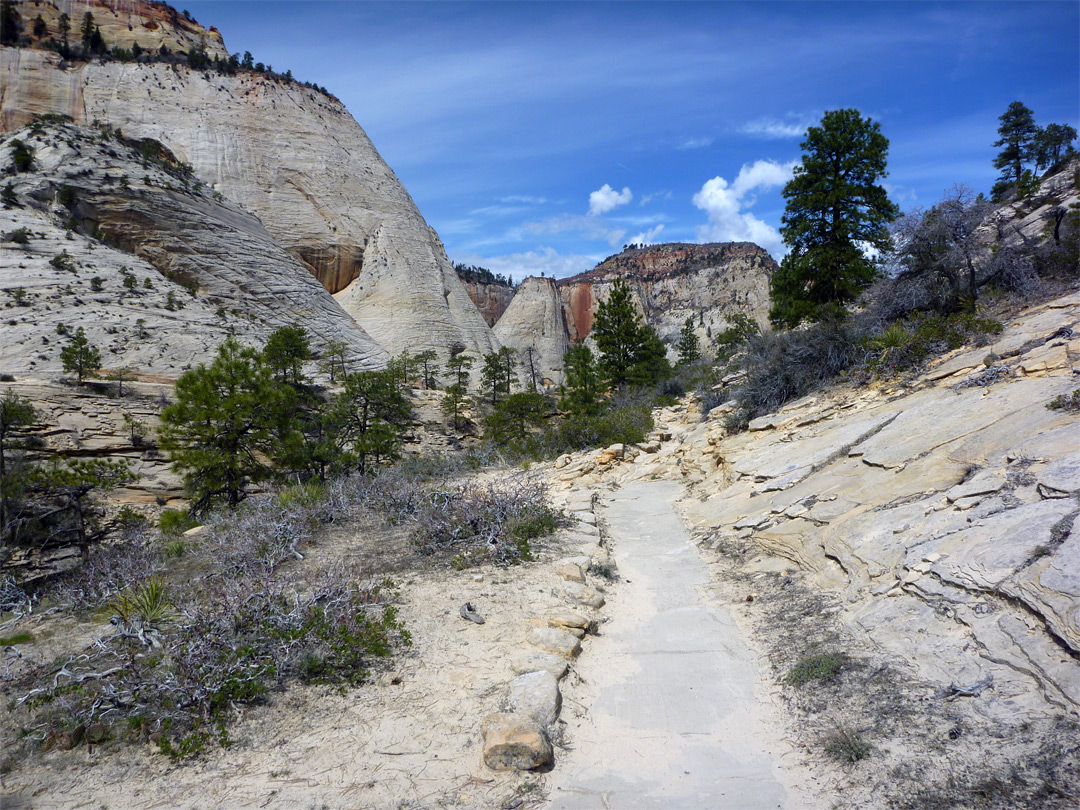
[
  {"x": 531, "y": 661},
  {"x": 571, "y": 573},
  {"x": 582, "y": 594},
  {"x": 514, "y": 741},
  {"x": 567, "y": 618},
  {"x": 554, "y": 641},
  {"x": 198, "y": 531}
]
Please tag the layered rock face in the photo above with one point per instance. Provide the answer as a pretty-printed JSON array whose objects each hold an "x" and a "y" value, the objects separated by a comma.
[
  {"x": 535, "y": 325},
  {"x": 118, "y": 247},
  {"x": 674, "y": 281},
  {"x": 290, "y": 155},
  {"x": 491, "y": 299},
  {"x": 125, "y": 23}
]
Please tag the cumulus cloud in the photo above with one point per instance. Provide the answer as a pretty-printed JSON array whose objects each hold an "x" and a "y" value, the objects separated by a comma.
[
  {"x": 607, "y": 199},
  {"x": 544, "y": 260},
  {"x": 724, "y": 203},
  {"x": 646, "y": 237}
]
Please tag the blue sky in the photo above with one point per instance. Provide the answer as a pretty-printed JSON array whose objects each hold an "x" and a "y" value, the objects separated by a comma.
[{"x": 540, "y": 136}]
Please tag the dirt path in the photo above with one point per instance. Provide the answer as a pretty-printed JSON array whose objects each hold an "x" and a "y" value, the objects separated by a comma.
[{"x": 670, "y": 712}]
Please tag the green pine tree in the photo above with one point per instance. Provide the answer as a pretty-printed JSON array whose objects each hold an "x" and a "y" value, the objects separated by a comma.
[
  {"x": 80, "y": 356},
  {"x": 835, "y": 210},
  {"x": 1018, "y": 135},
  {"x": 581, "y": 392},
  {"x": 224, "y": 425},
  {"x": 688, "y": 347}
]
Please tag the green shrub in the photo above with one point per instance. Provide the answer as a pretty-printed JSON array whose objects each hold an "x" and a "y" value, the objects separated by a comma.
[
  {"x": 20, "y": 236},
  {"x": 148, "y": 602},
  {"x": 174, "y": 522},
  {"x": 817, "y": 668},
  {"x": 1065, "y": 402}
]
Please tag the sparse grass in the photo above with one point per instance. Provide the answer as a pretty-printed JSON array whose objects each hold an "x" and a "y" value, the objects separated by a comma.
[
  {"x": 817, "y": 668},
  {"x": 847, "y": 746},
  {"x": 18, "y": 638},
  {"x": 604, "y": 570}
]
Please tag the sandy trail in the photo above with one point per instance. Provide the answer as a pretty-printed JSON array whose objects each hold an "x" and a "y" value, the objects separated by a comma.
[{"x": 671, "y": 711}]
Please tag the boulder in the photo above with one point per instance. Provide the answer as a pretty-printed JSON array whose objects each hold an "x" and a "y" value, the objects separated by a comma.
[
  {"x": 514, "y": 741},
  {"x": 567, "y": 618},
  {"x": 536, "y": 694}
]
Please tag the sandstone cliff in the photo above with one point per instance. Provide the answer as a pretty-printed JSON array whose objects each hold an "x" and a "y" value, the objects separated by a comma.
[
  {"x": 491, "y": 299},
  {"x": 290, "y": 155},
  {"x": 535, "y": 325},
  {"x": 674, "y": 281},
  {"x": 117, "y": 246}
]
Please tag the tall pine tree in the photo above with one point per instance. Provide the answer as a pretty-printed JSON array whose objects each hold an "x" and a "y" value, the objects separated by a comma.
[{"x": 836, "y": 210}]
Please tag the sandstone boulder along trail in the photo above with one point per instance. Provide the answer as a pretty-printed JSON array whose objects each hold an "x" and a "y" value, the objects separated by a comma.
[{"x": 669, "y": 713}]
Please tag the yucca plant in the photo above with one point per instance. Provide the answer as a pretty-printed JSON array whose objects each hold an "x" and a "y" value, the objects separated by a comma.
[{"x": 148, "y": 603}]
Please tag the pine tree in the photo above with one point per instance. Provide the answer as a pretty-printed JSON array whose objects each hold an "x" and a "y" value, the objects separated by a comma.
[
  {"x": 285, "y": 353},
  {"x": 224, "y": 425},
  {"x": 688, "y": 348},
  {"x": 376, "y": 411},
  {"x": 617, "y": 334},
  {"x": 425, "y": 360},
  {"x": 835, "y": 210},
  {"x": 581, "y": 393},
  {"x": 80, "y": 356},
  {"x": 1018, "y": 135},
  {"x": 10, "y": 23},
  {"x": 456, "y": 396}
]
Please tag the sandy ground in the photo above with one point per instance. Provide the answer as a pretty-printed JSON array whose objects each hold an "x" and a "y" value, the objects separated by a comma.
[
  {"x": 670, "y": 709},
  {"x": 665, "y": 708},
  {"x": 410, "y": 744}
]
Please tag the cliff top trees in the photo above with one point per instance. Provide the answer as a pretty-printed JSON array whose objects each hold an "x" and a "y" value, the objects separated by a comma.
[
  {"x": 835, "y": 212},
  {"x": 1023, "y": 142}
]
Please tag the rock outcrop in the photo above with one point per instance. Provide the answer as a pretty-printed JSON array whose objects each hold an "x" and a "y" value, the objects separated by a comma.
[
  {"x": 287, "y": 153},
  {"x": 535, "y": 325},
  {"x": 674, "y": 281},
  {"x": 156, "y": 269}
]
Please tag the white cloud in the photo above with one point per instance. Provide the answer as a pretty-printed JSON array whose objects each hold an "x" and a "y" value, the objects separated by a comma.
[
  {"x": 791, "y": 126},
  {"x": 659, "y": 195},
  {"x": 544, "y": 260},
  {"x": 606, "y": 199},
  {"x": 589, "y": 227},
  {"x": 646, "y": 237},
  {"x": 723, "y": 202},
  {"x": 694, "y": 143}
]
